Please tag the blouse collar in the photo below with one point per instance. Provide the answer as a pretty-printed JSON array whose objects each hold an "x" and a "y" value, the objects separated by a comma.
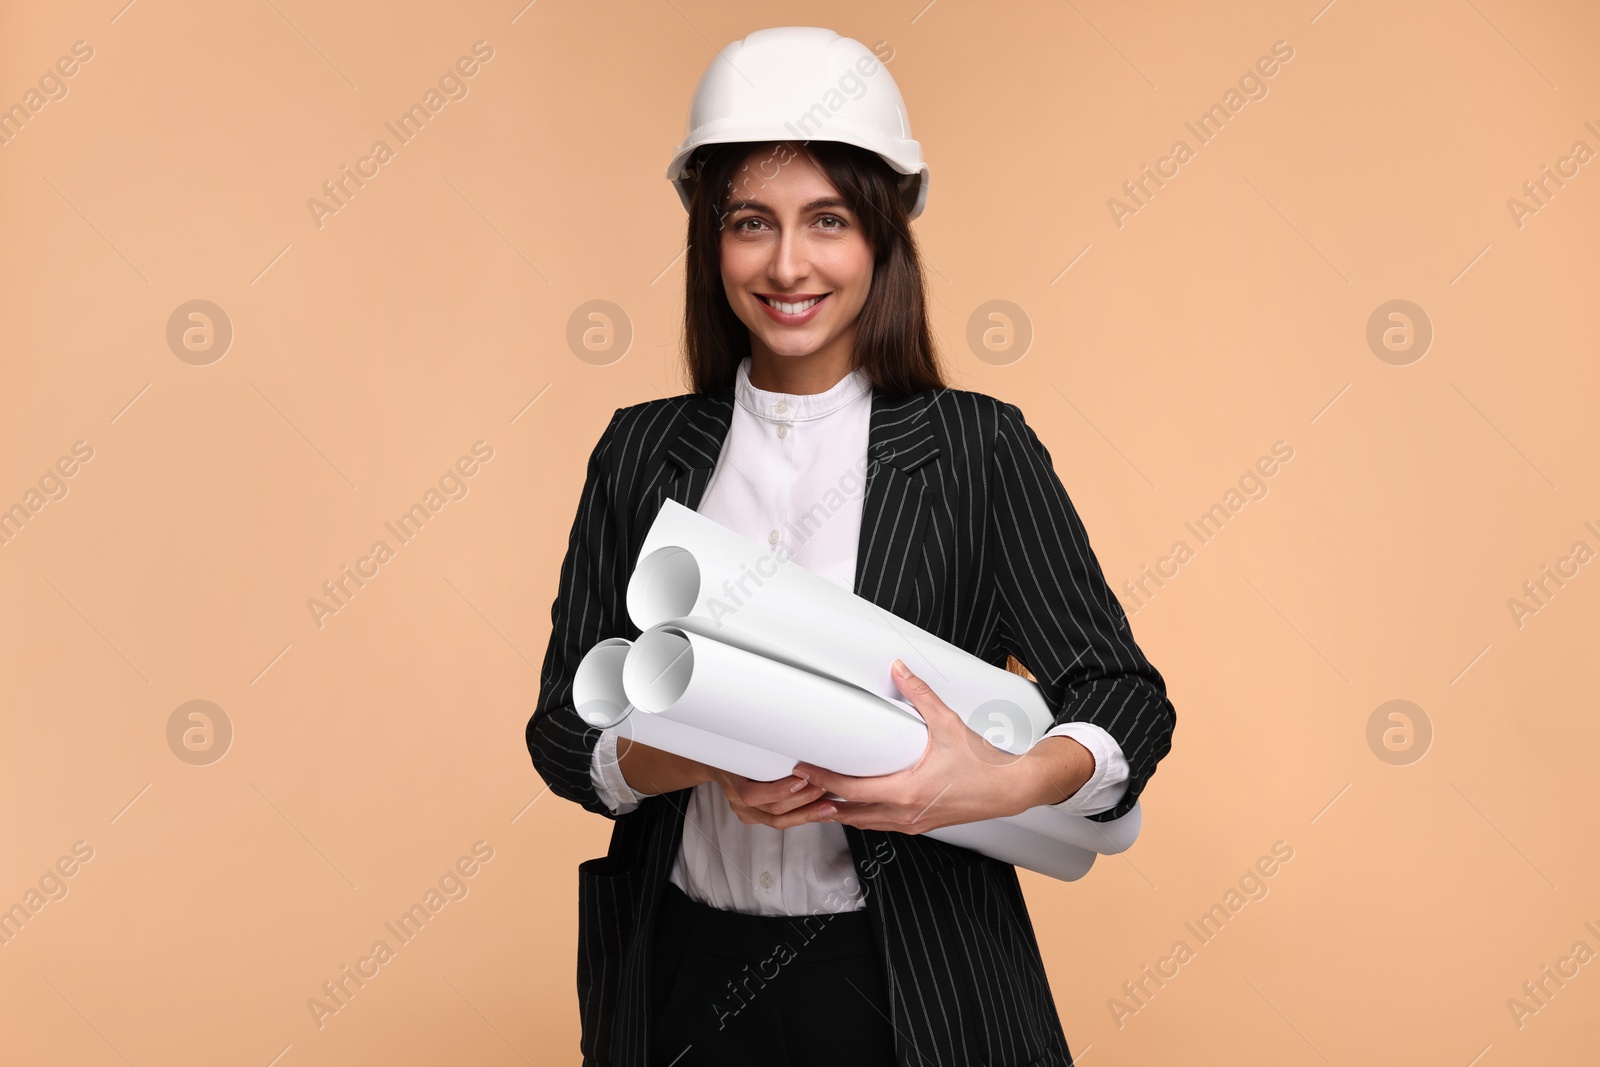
[{"x": 797, "y": 407}]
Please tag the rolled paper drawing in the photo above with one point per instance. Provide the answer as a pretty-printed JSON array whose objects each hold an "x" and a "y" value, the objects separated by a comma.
[
  {"x": 1005, "y": 841},
  {"x": 1107, "y": 838},
  {"x": 600, "y": 695},
  {"x": 749, "y": 662},
  {"x": 691, "y": 565},
  {"x": 601, "y": 701},
  {"x": 730, "y": 692}
]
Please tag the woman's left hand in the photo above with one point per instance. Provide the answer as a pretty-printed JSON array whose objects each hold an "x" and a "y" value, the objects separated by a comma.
[{"x": 960, "y": 777}]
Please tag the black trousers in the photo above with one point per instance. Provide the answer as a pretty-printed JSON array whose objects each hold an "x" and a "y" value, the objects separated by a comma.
[{"x": 774, "y": 990}]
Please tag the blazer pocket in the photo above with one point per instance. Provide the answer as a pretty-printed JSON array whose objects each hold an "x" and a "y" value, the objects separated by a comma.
[
  {"x": 608, "y": 920},
  {"x": 1006, "y": 991}
]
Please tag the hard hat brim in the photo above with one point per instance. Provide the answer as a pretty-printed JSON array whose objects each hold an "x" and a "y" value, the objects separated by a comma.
[{"x": 903, "y": 155}]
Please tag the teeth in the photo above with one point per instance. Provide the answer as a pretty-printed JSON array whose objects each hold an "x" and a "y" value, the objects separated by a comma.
[{"x": 793, "y": 309}]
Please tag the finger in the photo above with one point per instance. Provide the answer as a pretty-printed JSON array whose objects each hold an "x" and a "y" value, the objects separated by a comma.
[
  {"x": 761, "y": 794},
  {"x": 922, "y": 697},
  {"x": 873, "y": 817},
  {"x": 834, "y": 782},
  {"x": 942, "y": 720},
  {"x": 879, "y": 788},
  {"x": 793, "y": 801},
  {"x": 815, "y": 811},
  {"x": 911, "y": 685}
]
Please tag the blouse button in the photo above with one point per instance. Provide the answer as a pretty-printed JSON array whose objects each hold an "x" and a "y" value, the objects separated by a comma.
[
  {"x": 781, "y": 406},
  {"x": 772, "y": 538},
  {"x": 766, "y": 879},
  {"x": 783, "y": 429}
]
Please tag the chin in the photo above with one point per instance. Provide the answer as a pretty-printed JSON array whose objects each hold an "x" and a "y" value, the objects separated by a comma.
[{"x": 794, "y": 347}]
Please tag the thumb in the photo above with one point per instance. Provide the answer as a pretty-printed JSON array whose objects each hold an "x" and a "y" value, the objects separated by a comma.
[
  {"x": 921, "y": 696},
  {"x": 912, "y": 686}
]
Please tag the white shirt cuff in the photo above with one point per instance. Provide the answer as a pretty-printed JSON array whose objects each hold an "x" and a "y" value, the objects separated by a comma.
[
  {"x": 1109, "y": 782},
  {"x": 606, "y": 773}
]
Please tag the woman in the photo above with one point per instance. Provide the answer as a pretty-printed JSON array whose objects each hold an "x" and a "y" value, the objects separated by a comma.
[{"x": 809, "y": 918}]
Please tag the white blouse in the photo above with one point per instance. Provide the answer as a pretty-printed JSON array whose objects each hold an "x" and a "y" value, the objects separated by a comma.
[{"x": 793, "y": 470}]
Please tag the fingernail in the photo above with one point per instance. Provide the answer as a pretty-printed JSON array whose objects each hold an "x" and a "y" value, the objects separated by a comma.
[
  {"x": 799, "y": 786},
  {"x": 826, "y": 810},
  {"x": 899, "y": 669}
]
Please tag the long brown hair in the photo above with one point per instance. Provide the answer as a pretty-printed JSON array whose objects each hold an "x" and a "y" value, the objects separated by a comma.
[{"x": 893, "y": 343}]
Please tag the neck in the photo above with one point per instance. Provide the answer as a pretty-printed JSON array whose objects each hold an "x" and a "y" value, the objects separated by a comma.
[{"x": 798, "y": 375}]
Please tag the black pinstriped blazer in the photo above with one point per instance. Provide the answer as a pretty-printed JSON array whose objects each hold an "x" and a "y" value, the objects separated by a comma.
[{"x": 965, "y": 531}]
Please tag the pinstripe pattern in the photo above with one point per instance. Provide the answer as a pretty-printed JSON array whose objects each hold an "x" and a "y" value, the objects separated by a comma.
[{"x": 965, "y": 531}]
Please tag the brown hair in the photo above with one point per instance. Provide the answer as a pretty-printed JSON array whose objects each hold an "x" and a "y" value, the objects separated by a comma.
[{"x": 893, "y": 343}]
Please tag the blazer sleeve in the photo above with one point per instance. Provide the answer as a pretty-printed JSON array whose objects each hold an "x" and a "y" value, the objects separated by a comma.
[
  {"x": 589, "y": 606},
  {"x": 1058, "y": 615}
]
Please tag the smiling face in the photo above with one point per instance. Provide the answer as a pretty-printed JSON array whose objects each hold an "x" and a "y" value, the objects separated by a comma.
[{"x": 796, "y": 268}]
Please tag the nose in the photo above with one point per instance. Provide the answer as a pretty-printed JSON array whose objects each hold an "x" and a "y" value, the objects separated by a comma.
[{"x": 790, "y": 260}]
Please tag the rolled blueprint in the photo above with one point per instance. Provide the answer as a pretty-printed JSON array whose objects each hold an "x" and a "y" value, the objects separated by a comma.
[
  {"x": 727, "y": 691},
  {"x": 749, "y": 662},
  {"x": 1009, "y": 843},
  {"x": 600, "y": 696},
  {"x": 703, "y": 578},
  {"x": 601, "y": 701},
  {"x": 1107, "y": 838},
  {"x": 735, "y": 694},
  {"x": 597, "y": 684},
  {"x": 690, "y": 565}
]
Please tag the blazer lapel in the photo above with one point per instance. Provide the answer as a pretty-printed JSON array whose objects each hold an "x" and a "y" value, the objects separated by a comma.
[
  {"x": 694, "y": 441},
  {"x": 894, "y": 511}
]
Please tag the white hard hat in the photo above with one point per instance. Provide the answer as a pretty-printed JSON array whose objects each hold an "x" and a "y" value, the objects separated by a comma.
[{"x": 802, "y": 83}]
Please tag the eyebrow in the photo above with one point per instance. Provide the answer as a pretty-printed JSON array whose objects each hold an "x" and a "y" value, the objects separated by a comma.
[{"x": 756, "y": 205}]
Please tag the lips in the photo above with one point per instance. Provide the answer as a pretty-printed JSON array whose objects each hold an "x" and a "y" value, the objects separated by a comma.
[
  {"x": 794, "y": 309},
  {"x": 793, "y": 304}
]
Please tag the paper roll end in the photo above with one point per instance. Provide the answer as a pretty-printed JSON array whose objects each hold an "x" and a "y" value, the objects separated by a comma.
[
  {"x": 602, "y": 714},
  {"x": 664, "y": 585}
]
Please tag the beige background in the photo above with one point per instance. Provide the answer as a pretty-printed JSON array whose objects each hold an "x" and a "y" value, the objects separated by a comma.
[{"x": 368, "y": 353}]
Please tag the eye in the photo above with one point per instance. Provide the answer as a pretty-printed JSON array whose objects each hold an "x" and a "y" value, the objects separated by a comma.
[
  {"x": 841, "y": 223},
  {"x": 739, "y": 227}
]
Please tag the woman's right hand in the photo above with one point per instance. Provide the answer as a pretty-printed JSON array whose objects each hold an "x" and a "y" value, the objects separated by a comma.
[{"x": 777, "y": 804}]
